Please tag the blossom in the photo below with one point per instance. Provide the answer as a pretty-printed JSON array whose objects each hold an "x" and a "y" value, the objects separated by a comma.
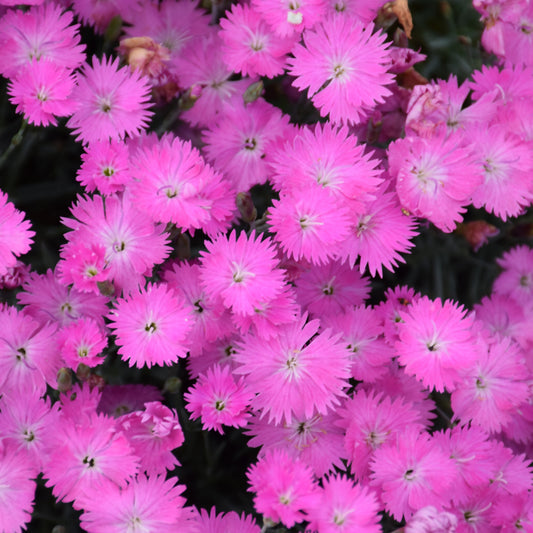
[
  {"x": 345, "y": 507},
  {"x": 105, "y": 167},
  {"x": 15, "y": 234},
  {"x": 250, "y": 46},
  {"x": 112, "y": 102},
  {"x": 153, "y": 433},
  {"x": 146, "y": 504},
  {"x": 41, "y": 91},
  {"x": 411, "y": 473},
  {"x": 242, "y": 271},
  {"x": 42, "y": 32},
  {"x": 81, "y": 342},
  {"x": 298, "y": 373},
  {"x": 344, "y": 67},
  {"x": 435, "y": 177},
  {"x": 223, "y": 523},
  {"x": 219, "y": 399},
  {"x": 151, "y": 327},
  {"x": 85, "y": 456},
  {"x": 516, "y": 280},
  {"x": 117, "y": 400},
  {"x": 284, "y": 487},
  {"x": 437, "y": 341}
]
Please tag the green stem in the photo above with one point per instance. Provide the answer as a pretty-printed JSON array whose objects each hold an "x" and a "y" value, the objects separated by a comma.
[{"x": 15, "y": 141}]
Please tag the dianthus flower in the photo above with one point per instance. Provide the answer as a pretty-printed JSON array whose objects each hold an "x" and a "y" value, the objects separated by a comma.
[
  {"x": 105, "y": 167},
  {"x": 133, "y": 243},
  {"x": 151, "y": 327},
  {"x": 249, "y": 44},
  {"x": 153, "y": 433},
  {"x": 345, "y": 508},
  {"x": 284, "y": 488},
  {"x": 42, "y": 32},
  {"x": 224, "y": 523},
  {"x": 516, "y": 280},
  {"x": 218, "y": 399},
  {"x": 81, "y": 342},
  {"x": 15, "y": 234},
  {"x": 86, "y": 456},
  {"x": 344, "y": 67},
  {"x": 41, "y": 91},
  {"x": 112, "y": 102},
  {"x": 435, "y": 177},
  {"x": 242, "y": 271},
  {"x": 296, "y": 374},
  {"x": 173, "y": 183},
  {"x": 411, "y": 473},
  {"x": 437, "y": 342},
  {"x": 145, "y": 504}
]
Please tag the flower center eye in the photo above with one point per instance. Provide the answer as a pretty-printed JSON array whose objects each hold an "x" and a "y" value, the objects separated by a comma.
[
  {"x": 338, "y": 71},
  {"x": 409, "y": 475},
  {"x": 108, "y": 171},
  {"x": 150, "y": 328},
  {"x": 119, "y": 246},
  {"x": 105, "y": 105},
  {"x": 250, "y": 143},
  {"x": 88, "y": 461},
  {"x": 220, "y": 405}
]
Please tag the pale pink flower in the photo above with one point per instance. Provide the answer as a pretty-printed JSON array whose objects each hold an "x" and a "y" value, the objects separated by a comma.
[
  {"x": 430, "y": 520},
  {"x": 219, "y": 399},
  {"x": 344, "y": 67},
  {"x": 112, "y": 102},
  {"x": 15, "y": 234},
  {"x": 284, "y": 488},
  {"x": 251, "y": 47},
  {"x": 298, "y": 373},
  {"x": 151, "y": 327}
]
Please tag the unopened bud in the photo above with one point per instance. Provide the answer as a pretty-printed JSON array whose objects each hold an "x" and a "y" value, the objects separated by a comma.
[
  {"x": 253, "y": 92},
  {"x": 64, "y": 379},
  {"x": 83, "y": 372},
  {"x": 172, "y": 385},
  {"x": 106, "y": 288},
  {"x": 246, "y": 207}
]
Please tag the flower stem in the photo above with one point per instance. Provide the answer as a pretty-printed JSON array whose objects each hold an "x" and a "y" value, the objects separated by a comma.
[{"x": 15, "y": 141}]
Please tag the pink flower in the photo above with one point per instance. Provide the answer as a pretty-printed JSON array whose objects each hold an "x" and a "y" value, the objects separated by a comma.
[
  {"x": 430, "y": 520},
  {"x": 81, "y": 342},
  {"x": 133, "y": 243},
  {"x": 15, "y": 234},
  {"x": 112, "y": 102},
  {"x": 41, "y": 91},
  {"x": 18, "y": 490},
  {"x": 151, "y": 327},
  {"x": 153, "y": 433},
  {"x": 241, "y": 140},
  {"x": 435, "y": 177},
  {"x": 493, "y": 387},
  {"x": 242, "y": 271},
  {"x": 298, "y": 373},
  {"x": 309, "y": 224},
  {"x": 149, "y": 503},
  {"x": 437, "y": 342},
  {"x": 284, "y": 488},
  {"x": 224, "y": 523},
  {"x": 117, "y": 400},
  {"x": 87, "y": 456},
  {"x": 317, "y": 441},
  {"x": 344, "y": 67},
  {"x": 411, "y": 473},
  {"x": 43, "y": 32},
  {"x": 516, "y": 280},
  {"x": 173, "y": 183},
  {"x": 218, "y": 399},
  {"x": 345, "y": 508},
  {"x": 105, "y": 167},
  {"x": 250, "y": 46}
]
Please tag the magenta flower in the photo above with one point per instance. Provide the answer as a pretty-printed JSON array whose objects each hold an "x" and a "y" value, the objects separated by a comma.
[
  {"x": 437, "y": 342},
  {"x": 15, "y": 234},
  {"x": 243, "y": 272},
  {"x": 516, "y": 280},
  {"x": 298, "y": 373},
  {"x": 344, "y": 67},
  {"x": 151, "y": 327},
  {"x": 223, "y": 523},
  {"x": 81, "y": 342},
  {"x": 112, "y": 102},
  {"x": 284, "y": 488},
  {"x": 219, "y": 400}
]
